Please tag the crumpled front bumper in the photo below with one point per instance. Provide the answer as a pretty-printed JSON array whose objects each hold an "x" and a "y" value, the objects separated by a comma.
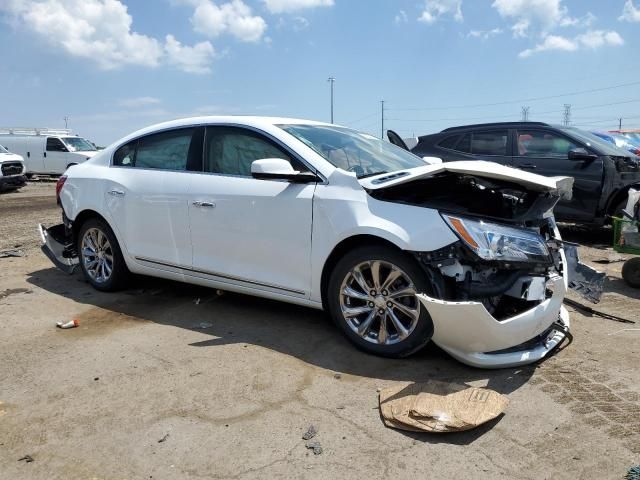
[
  {"x": 58, "y": 247},
  {"x": 469, "y": 333}
]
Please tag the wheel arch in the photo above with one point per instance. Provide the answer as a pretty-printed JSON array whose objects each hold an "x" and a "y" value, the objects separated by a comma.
[
  {"x": 344, "y": 246},
  {"x": 619, "y": 197},
  {"x": 82, "y": 217}
]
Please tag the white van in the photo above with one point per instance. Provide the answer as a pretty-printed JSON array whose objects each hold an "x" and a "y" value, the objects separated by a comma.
[{"x": 46, "y": 151}]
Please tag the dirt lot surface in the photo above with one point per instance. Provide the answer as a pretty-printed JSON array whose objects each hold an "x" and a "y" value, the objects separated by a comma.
[{"x": 156, "y": 384}]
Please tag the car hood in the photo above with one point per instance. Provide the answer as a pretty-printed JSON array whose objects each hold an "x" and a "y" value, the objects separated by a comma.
[
  {"x": 563, "y": 186},
  {"x": 10, "y": 157}
]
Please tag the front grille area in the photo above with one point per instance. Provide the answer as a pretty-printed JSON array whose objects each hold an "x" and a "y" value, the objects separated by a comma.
[{"x": 11, "y": 168}]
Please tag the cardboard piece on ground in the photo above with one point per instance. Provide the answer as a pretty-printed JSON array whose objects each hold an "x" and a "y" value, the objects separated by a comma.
[{"x": 436, "y": 406}]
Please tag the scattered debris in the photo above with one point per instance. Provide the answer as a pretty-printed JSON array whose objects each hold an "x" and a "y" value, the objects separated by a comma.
[
  {"x": 95, "y": 379},
  {"x": 436, "y": 406},
  {"x": 315, "y": 446},
  {"x": 337, "y": 376},
  {"x": 625, "y": 330},
  {"x": 203, "y": 325},
  {"x": 69, "y": 324},
  {"x": 163, "y": 439},
  {"x": 11, "y": 253},
  {"x": 633, "y": 473},
  {"x": 584, "y": 280},
  {"x": 26, "y": 459},
  {"x": 156, "y": 291},
  {"x": 610, "y": 259},
  {"x": 310, "y": 433},
  {"x": 586, "y": 309},
  {"x": 13, "y": 291},
  {"x": 197, "y": 301}
]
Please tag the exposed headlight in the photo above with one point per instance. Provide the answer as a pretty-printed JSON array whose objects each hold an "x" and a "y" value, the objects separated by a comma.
[{"x": 492, "y": 241}]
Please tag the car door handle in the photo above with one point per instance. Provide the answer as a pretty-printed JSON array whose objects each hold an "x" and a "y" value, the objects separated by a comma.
[
  {"x": 204, "y": 204},
  {"x": 116, "y": 193},
  {"x": 530, "y": 166}
]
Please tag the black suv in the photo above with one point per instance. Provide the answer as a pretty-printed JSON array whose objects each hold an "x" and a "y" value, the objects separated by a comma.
[{"x": 602, "y": 172}]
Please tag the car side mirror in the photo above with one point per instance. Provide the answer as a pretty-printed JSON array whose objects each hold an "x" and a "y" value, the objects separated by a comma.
[
  {"x": 581, "y": 154},
  {"x": 279, "y": 169}
]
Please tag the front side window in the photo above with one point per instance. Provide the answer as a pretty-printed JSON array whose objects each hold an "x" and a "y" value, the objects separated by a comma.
[
  {"x": 78, "y": 144},
  {"x": 55, "y": 145},
  {"x": 354, "y": 151},
  {"x": 232, "y": 150},
  {"x": 540, "y": 143},
  {"x": 449, "y": 142}
]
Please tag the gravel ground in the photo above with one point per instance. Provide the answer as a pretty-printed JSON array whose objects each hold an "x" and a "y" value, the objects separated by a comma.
[{"x": 158, "y": 384}]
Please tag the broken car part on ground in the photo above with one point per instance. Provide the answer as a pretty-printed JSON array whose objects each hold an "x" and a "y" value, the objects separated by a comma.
[{"x": 400, "y": 252}]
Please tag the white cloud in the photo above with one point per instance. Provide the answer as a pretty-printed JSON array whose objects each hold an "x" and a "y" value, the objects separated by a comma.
[
  {"x": 484, "y": 34},
  {"x": 541, "y": 15},
  {"x": 285, "y": 6},
  {"x": 401, "y": 18},
  {"x": 137, "y": 102},
  {"x": 630, "y": 13},
  {"x": 434, "y": 9},
  {"x": 195, "y": 59},
  {"x": 300, "y": 23},
  {"x": 592, "y": 39},
  {"x": 97, "y": 30},
  {"x": 600, "y": 38},
  {"x": 234, "y": 18}
]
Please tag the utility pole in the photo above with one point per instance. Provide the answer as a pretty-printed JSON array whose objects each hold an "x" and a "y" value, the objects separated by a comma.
[
  {"x": 567, "y": 115},
  {"x": 620, "y": 124},
  {"x": 525, "y": 114},
  {"x": 331, "y": 80},
  {"x": 66, "y": 122},
  {"x": 382, "y": 119}
]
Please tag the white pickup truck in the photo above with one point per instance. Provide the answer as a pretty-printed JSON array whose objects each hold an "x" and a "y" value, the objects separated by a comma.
[{"x": 12, "y": 170}]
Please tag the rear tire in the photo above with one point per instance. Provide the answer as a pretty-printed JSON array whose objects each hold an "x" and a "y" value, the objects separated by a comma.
[
  {"x": 100, "y": 256},
  {"x": 371, "y": 296},
  {"x": 631, "y": 272}
]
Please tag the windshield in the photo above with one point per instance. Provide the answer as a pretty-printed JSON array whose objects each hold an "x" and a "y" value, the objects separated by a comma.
[
  {"x": 634, "y": 136},
  {"x": 354, "y": 151},
  {"x": 78, "y": 144},
  {"x": 596, "y": 142},
  {"x": 3, "y": 150}
]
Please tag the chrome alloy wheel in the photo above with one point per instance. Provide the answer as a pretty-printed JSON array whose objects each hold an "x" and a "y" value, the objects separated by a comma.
[
  {"x": 97, "y": 255},
  {"x": 378, "y": 301}
]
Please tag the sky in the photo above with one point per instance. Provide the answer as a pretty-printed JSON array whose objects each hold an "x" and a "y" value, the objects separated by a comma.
[{"x": 113, "y": 66}]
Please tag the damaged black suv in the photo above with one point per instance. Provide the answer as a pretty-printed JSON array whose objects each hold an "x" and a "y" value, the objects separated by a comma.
[{"x": 602, "y": 172}]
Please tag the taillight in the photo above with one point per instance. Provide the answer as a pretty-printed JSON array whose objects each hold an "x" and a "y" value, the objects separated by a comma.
[{"x": 59, "y": 185}]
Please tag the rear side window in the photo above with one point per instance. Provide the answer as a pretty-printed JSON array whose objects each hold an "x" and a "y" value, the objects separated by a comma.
[
  {"x": 55, "y": 145},
  {"x": 449, "y": 142},
  {"x": 464, "y": 145},
  {"x": 125, "y": 155},
  {"x": 176, "y": 150},
  {"x": 490, "y": 143},
  {"x": 164, "y": 151}
]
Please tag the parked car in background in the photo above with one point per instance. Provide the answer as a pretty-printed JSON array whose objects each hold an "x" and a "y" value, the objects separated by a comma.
[
  {"x": 47, "y": 151},
  {"x": 398, "y": 251},
  {"x": 603, "y": 173},
  {"x": 620, "y": 141},
  {"x": 12, "y": 170},
  {"x": 633, "y": 134}
]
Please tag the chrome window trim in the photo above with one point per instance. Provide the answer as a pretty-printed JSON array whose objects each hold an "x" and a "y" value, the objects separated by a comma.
[{"x": 257, "y": 130}]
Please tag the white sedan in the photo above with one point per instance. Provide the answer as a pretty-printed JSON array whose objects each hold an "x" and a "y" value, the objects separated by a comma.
[{"x": 398, "y": 251}]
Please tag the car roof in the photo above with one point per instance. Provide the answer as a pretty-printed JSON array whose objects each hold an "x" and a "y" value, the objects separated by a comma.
[
  {"x": 496, "y": 124},
  {"x": 241, "y": 120}
]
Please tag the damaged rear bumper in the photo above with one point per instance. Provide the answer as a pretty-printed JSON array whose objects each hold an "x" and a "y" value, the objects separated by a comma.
[
  {"x": 58, "y": 247},
  {"x": 469, "y": 333}
]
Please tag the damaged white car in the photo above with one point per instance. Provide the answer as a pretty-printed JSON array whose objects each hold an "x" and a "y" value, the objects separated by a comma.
[{"x": 398, "y": 251}]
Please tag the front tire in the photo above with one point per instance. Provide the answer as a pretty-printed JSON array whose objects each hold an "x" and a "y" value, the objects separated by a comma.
[
  {"x": 371, "y": 297},
  {"x": 100, "y": 256}
]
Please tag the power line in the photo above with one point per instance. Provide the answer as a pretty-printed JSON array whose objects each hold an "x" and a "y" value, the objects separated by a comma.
[
  {"x": 374, "y": 114},
  {"x": 533, "y": 99}
]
